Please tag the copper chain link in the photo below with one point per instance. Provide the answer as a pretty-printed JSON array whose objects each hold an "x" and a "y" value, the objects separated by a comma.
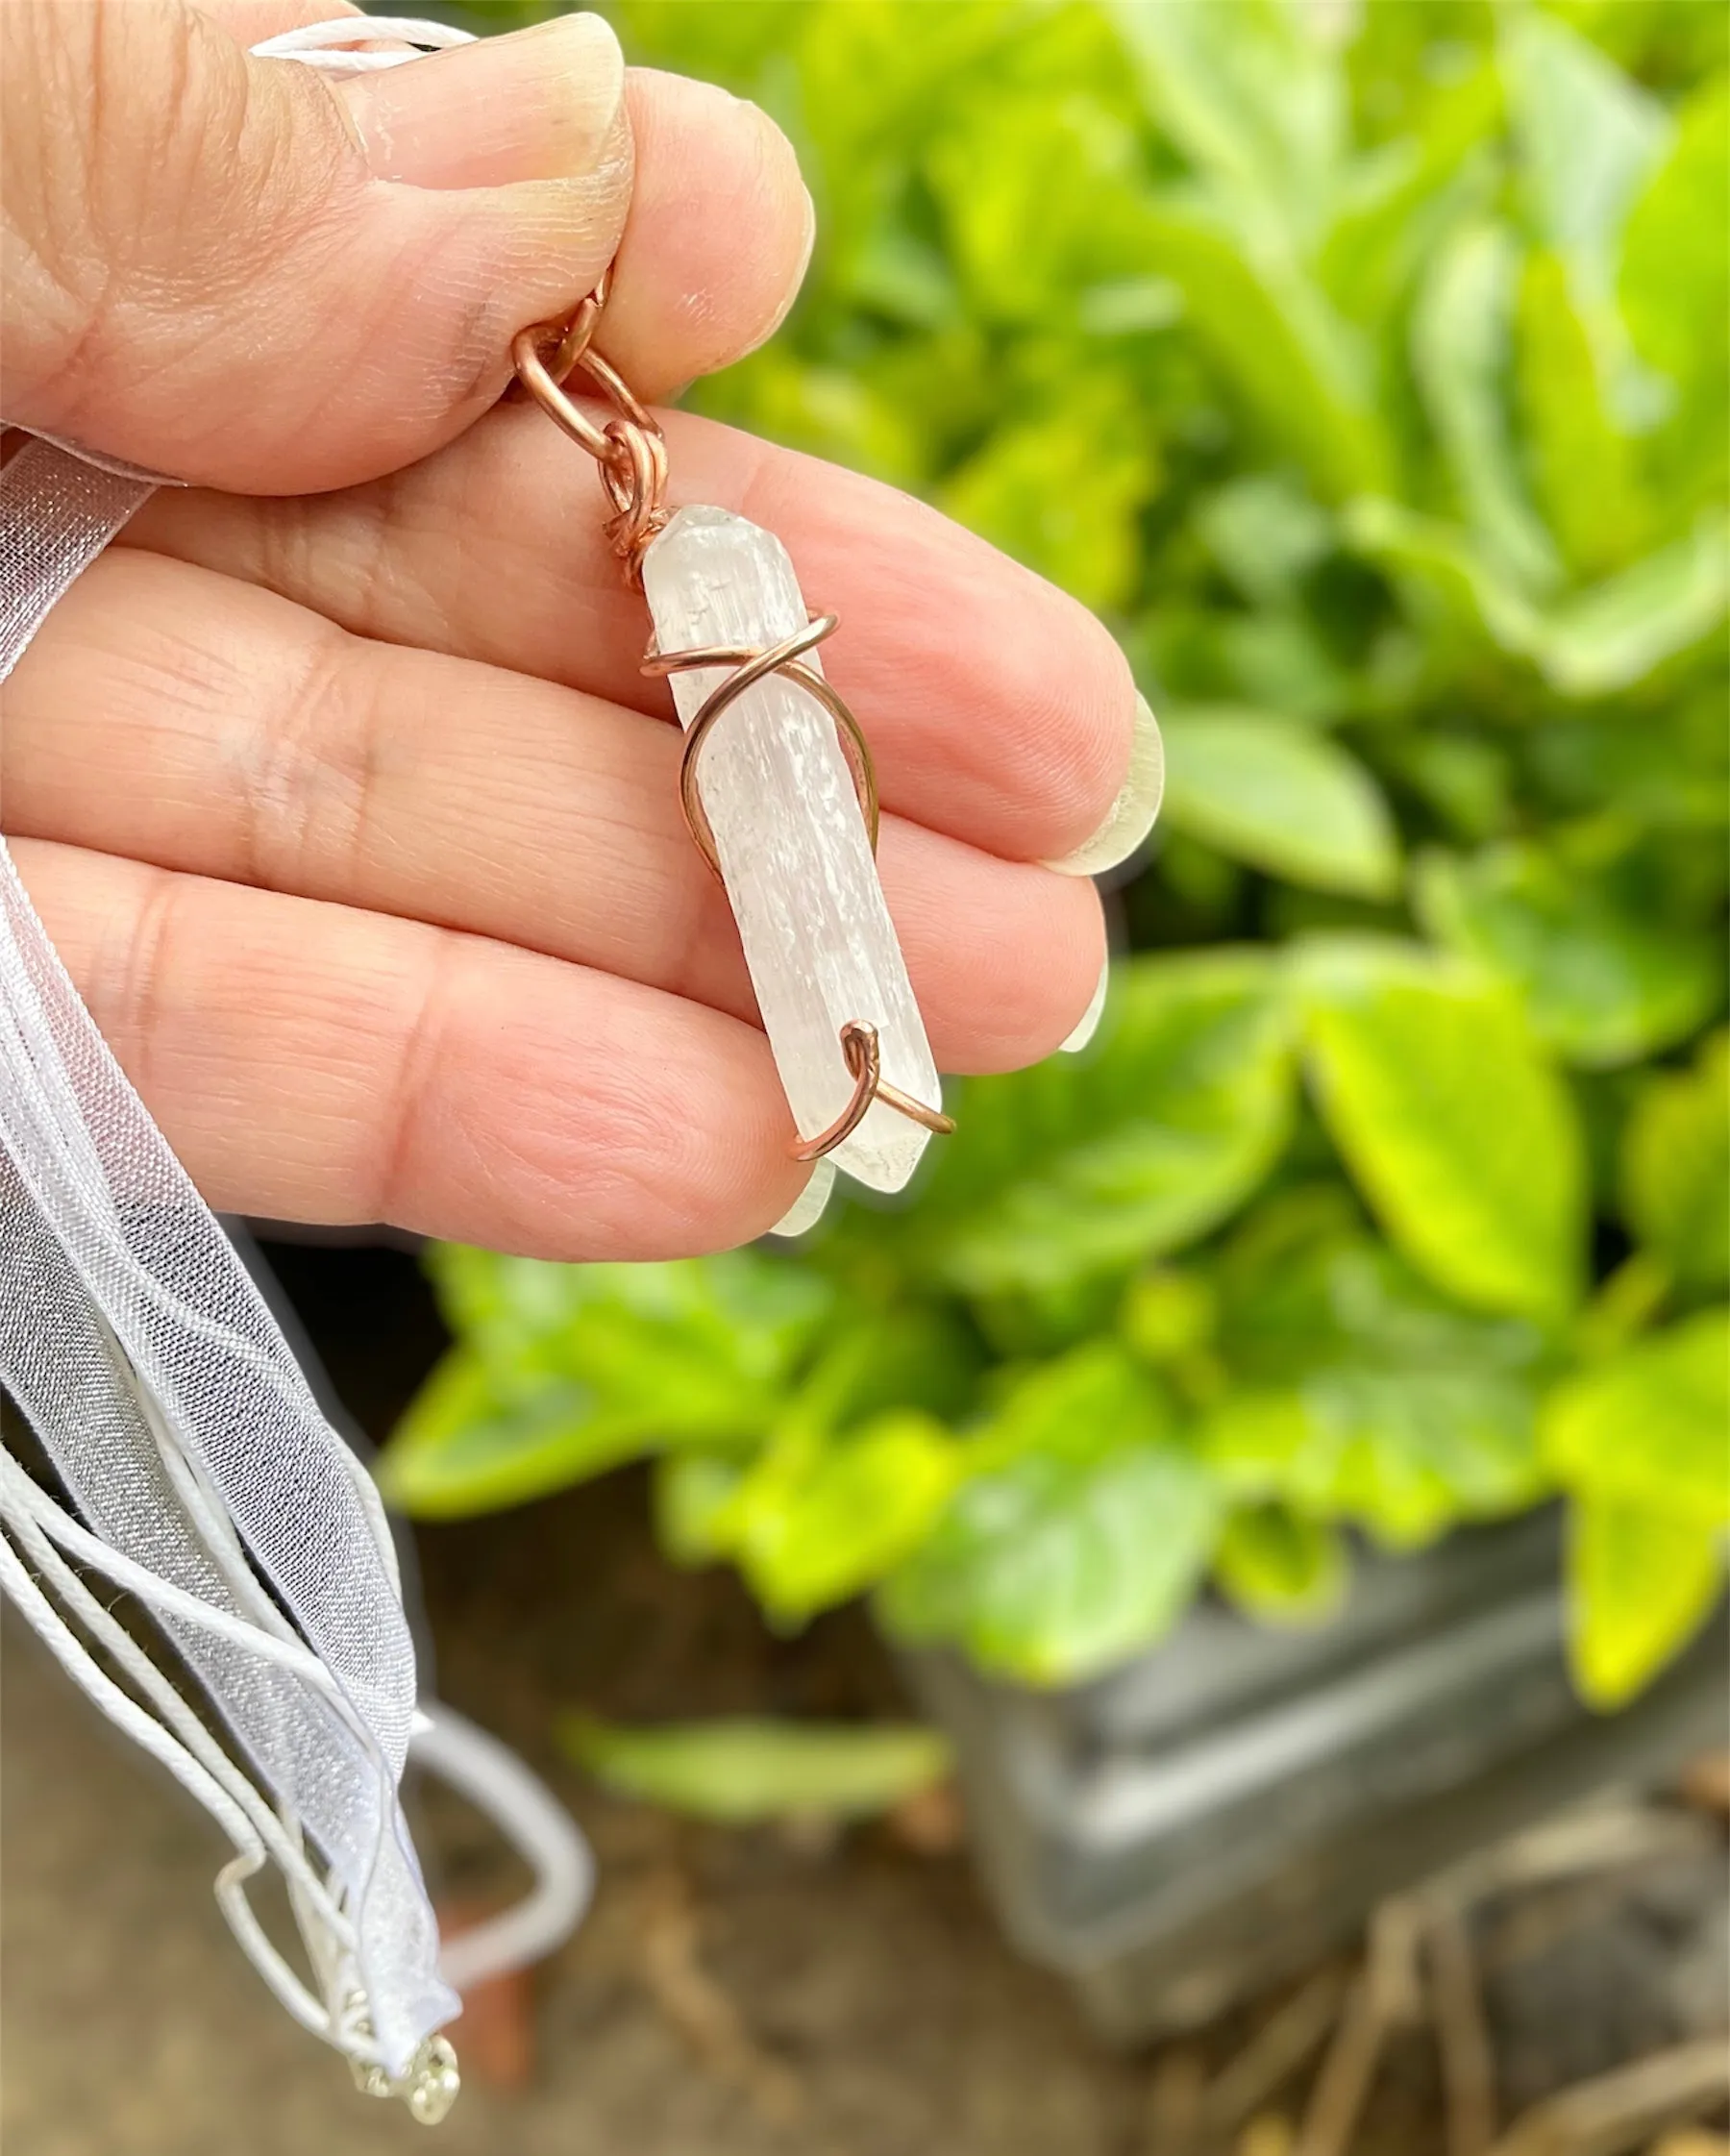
[{"x": 629, "y": 447}]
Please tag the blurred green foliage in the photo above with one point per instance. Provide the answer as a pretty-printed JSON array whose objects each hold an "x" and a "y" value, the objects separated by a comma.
[
  {"x": 741, "y": 1772},
  {"x": 1366, "y": 368}
]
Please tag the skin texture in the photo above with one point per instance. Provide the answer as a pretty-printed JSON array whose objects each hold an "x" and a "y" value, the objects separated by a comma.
[{"x": 338, "y": 787}]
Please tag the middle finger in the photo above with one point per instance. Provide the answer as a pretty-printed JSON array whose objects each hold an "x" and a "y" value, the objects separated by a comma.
[
  {"x": 998, "y": 709},
  {"x": 183, "y": 718}
]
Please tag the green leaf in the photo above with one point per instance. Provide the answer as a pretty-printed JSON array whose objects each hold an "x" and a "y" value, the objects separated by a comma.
[
  {"x": 1461, "y": 348},
  {"x": 1674, "y": 288},
  {"x": 1248, "y": 92},
  {"x": 1385, "y": 1433},
  {"x": 1025, "y": 248},
  {"x": 1601, "y": 639},
  {"x": 1281, "y": 1567},
  {"x": 815, "y": 1522},
  {"x": 1671, "y": 44},
  {"x": 1022, "y": 1323},
  {"x": 1266, "y": 533},
  {"x": 1280, "y": 798},
  {"x": 693, "y": 1504},
  {"x": 1445, "y": 582},
  {"x": 1063, "y": 493},
  {"x": 1466, "y": 781},
  {"x": 727, "y": 43},
  {"x": 1077, "y": 1404},
  {"x": 1049, "y": 1574},
  {"x": 1617, "y": 632},
  {"x": 917, "y": 1354},
  {"x": 742, "y": 1772},
  {"x": 1601, "y": 983},
  {"x": 564, "y": 1371},
  {"x": 1650, "y": 1428},
  {"x": 1167, "y": 1316},
  {"x": 830, "y": 412},
  {"x": 1584, "y": 459},
  {"x": 1587, "y": 138},
  {"x": 1396, "y": 202},
  {"x": 1272, "y": 335},
  {"x": 1668, "y": 771},
  {"x": 470, "y": 1442},
  {"x": 1675, "y": 1167},
  {"x": 1408, "y": 1453},
  {"x": 1452, "y": 1122},
  {"x": 1622, "y": 1306},
  {"x": 1082, "y": 1546},
  {"x": 1639, "y": 1585},
  {"x": 1274, "y": 658},
  {"x": 1164, "y": 1127},
  {"x": 1302, "y": 1284},
  {"x": 645, "y": 1326}
]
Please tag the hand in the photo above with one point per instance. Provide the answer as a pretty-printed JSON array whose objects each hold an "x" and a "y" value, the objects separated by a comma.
[{"x": 348, "y": 810}]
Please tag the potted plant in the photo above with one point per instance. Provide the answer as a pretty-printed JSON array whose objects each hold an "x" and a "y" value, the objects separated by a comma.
[{"x": 1368, "y": 370}]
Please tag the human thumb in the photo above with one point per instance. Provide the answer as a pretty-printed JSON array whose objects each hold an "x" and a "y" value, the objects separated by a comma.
[{"x": 238, "y": 272}]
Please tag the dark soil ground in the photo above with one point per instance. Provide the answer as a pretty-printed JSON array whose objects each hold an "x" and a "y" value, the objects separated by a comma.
[{"x": 731, "y": 1995}]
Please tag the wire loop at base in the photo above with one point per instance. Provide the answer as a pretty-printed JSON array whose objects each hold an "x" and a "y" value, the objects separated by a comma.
[{"x": 864, "y": 1056}]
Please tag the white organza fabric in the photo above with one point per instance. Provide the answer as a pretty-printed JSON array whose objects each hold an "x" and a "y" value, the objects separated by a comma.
[{"x": 203, "y": 1477}]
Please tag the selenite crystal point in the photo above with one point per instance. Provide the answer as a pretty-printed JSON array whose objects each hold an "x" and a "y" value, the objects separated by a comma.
[{"x": 794, "y": 850}]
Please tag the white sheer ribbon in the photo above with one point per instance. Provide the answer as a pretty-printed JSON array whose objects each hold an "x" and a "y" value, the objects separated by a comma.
[{"x": 204, "y": 1478}]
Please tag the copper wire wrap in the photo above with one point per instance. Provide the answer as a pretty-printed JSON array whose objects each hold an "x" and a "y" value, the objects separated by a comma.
[
  {"x": 751, "y": 665},
  {"x": 631, "y": 453}
]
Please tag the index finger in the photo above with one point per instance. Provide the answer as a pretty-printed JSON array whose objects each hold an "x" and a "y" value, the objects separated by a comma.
[{"x": 998, "y": 709}]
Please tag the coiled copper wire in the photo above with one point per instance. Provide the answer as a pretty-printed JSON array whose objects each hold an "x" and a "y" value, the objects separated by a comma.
[{"x": 752, "y": 664}]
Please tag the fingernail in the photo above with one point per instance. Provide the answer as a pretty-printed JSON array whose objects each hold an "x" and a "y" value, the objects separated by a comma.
[
  {"x": 1088, "y": 1025},
  {"x": 779, "y": 172},
  {"x": 539, "y": 104},
  {"x": 796, "y": 282},
  {"x": 1135, "y": 808},
  {"x": 806, "y": 1210}
]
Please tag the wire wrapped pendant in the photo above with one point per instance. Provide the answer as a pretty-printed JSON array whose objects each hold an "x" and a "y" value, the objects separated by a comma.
[{"x": 776, "y": 782}]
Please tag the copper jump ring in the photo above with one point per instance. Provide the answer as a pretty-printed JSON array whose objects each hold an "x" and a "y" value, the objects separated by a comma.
[
  {"x": 628, "y": 446},
  {"x": 752, "y": 664}
]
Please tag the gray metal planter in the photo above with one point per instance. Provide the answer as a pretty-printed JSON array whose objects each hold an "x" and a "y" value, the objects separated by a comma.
[{"x": 1213, "y": 1816}]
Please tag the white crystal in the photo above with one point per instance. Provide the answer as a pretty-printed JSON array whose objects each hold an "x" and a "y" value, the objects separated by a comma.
[
  {"x": 808, "y": 1208},
  {"x": 794, "y": 852}
]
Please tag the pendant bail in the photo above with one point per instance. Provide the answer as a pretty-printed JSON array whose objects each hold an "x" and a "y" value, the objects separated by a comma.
[{"x": 629, "y": 447}]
